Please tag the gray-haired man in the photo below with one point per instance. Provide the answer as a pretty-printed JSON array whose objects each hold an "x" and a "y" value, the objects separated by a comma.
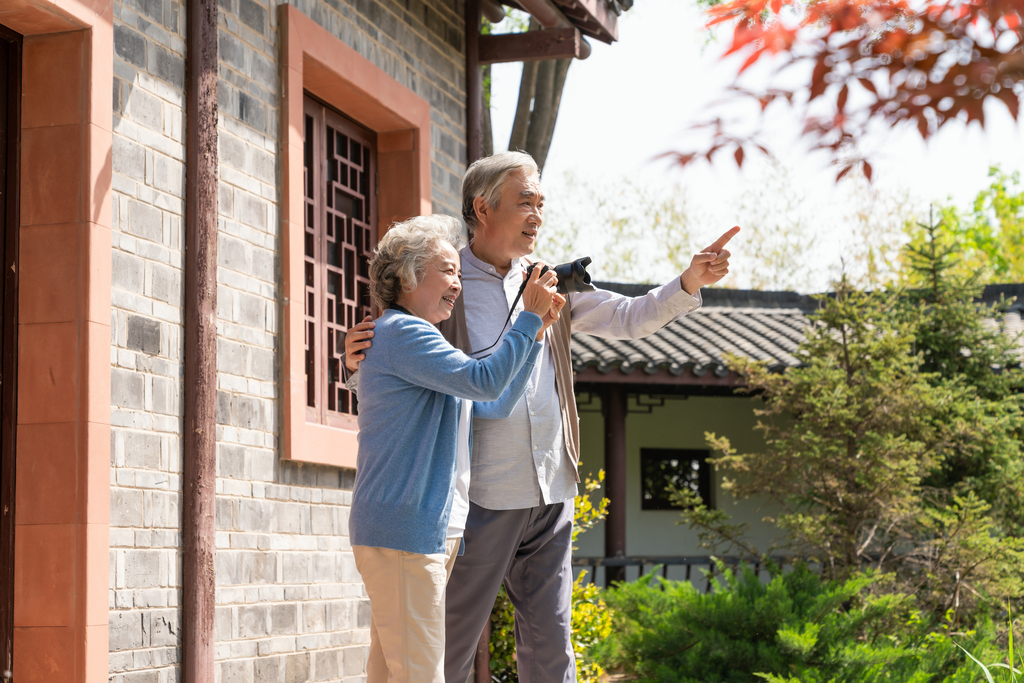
[{"x": 524, "y": 468}]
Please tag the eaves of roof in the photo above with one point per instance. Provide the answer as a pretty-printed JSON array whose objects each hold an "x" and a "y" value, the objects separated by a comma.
[{"x": 767, "y": 326}]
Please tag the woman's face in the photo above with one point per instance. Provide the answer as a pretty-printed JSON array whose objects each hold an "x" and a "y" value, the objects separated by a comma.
[{"x": 441, "y": 285}]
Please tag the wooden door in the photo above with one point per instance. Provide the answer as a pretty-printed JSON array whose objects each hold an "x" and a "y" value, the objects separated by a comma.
[{"x": 10, "y": 153}]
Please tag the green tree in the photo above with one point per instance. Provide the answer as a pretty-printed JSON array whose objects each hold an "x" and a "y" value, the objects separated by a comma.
[
  {"x": 849, "y": 435},
  {"x": 895, "y": 444},
  {"x": 983, "y": 243},
  {"x": 965, "y": 343}
]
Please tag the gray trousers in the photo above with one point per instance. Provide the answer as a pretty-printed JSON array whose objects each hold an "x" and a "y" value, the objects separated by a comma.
[{"x": 530, "y": 551}]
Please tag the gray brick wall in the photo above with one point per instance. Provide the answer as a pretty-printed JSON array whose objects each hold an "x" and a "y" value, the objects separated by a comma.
[{"x": 291, "y": 607}]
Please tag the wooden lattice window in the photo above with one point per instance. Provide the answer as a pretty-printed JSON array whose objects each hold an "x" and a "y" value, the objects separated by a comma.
[
  {"x": 664, "y": 468},
  {"x": 341, "y": 218}
]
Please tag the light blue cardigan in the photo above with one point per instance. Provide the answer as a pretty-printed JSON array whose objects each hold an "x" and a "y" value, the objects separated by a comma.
[{"x": 408, "y": 425}]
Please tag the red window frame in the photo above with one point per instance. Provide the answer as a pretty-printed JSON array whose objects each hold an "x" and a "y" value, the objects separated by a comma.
[{"x": 340, "y": 216}]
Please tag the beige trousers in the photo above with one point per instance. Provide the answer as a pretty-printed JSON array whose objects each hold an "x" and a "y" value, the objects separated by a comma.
[{"x": 406, "y": 593}]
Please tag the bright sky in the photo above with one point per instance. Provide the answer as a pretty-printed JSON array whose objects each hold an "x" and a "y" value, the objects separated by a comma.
[{"x": 632, "y": 100}]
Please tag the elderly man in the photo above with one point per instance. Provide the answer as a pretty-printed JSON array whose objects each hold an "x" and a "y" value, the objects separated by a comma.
[{"x": 523, "y": 476}]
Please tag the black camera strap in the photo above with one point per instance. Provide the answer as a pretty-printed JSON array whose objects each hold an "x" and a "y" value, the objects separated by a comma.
[{"x": 511, "y": 310}]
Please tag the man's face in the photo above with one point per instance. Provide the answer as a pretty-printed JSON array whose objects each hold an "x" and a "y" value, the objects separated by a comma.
[{"x": 509, "y": 230}]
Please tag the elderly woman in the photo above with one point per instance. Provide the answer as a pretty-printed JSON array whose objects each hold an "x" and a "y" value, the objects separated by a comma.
[{"x": 410, "y": 389}]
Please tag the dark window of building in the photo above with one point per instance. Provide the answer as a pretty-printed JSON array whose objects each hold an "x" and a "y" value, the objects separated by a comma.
[
  {"x": 341, "y": 219},
  {"x": 665, "y": 468}
]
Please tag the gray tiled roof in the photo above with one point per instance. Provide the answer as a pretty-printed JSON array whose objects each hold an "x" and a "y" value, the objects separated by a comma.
[{"x": 762, "y": 325}]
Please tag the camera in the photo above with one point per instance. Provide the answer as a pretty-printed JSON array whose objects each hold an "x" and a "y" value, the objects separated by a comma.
[{"x": 572, "y": 276}]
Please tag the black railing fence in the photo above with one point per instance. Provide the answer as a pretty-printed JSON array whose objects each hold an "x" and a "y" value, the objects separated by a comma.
[{"x": 705, "y": 566}]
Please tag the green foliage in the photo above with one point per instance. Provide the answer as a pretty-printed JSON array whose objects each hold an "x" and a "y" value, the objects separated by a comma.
[
  {"x": 848, "y": 435},
  {"x": 591, "y": 620},
  {"x": 796, "y": 628},
  {"x": 987, "y": 237},
  {"x": 897, "y": 443}
]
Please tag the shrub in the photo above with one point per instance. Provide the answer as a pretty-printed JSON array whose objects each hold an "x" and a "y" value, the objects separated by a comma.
[{"x": 797, "y": 627}]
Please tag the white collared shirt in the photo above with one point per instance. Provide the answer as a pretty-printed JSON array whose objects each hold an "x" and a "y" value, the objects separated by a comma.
[{"x": 521, "y": 461}]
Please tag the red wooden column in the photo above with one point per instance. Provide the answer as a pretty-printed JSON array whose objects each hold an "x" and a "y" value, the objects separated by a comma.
[
  {"x": 613, "y": 404},
  {"x": 474, "y": 84},
  {"x": 200, "y": 426}
]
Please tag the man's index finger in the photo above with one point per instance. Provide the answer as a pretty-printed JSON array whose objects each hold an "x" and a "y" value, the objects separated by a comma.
[{"x": 720, "y": 243}]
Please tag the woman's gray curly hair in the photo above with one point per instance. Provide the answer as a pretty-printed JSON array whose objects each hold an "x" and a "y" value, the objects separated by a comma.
[{"x": 401, "y": 257}]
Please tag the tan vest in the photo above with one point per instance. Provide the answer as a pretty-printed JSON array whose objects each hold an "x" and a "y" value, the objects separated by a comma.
[{"x": 557, "y": 336}]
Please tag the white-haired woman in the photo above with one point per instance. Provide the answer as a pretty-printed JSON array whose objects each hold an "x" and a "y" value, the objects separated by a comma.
[{"x": 410, "y": 390}]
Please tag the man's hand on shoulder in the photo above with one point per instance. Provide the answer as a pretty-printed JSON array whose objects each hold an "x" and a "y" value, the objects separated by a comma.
[
  {"x": 709, "y": 266},
  {"x": 357, "y": 340}
]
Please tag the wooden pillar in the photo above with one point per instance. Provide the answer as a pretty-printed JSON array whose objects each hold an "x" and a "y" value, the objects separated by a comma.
[
  {"x": 482, "y": 663},
  {"x": 200, "y": 389},
  {"x": 474, "y": 84},
  {"x": 614, "y": 408}
]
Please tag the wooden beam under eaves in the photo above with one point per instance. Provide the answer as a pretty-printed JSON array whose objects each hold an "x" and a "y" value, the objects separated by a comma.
[{"x": 554, "y": 43}]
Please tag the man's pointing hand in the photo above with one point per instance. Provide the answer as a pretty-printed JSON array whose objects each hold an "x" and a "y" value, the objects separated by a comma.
[{"x": 710, "y": 265}]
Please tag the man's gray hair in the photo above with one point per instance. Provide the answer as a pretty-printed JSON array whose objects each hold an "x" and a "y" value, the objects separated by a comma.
[
  {"x": 485, "y": 178},
  {"x": 401, "y": 257}
]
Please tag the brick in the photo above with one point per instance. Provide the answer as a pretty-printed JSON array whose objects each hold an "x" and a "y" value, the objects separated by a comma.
[
  {"x": 295, "y": 567},
  {"x": 326, "y": 665},
  {"x": 296, "y": 668},
  {"x": 232, "y": 150},
  {"x": 144, "y": 220},
  {"x": 127, "y": 389},
  {"x": 252, "y": 622},
  {"x": 170, "y": 67},
  {"x": 126, "y": 507},
  {"x": 129, "y": 46},
  {"x": 253, "y": 212},
  {"x": 249, "y": 413},
  {"x": 253, "y": 15},
  {"x": 251, "y": 111},
  {"x": 225, "y": 197},
  {"x": 222, "y": 624},
  {"x": 142, "y": 450},
  {"x": 129, "y": 159},
  {"x": 231, "y": 461},
  {"x": 142, "y": 568},
  {"x": 224, "y": 516},
  {"x": 154, "y": 9},
  {"x": 267, "y": 670},
  {"x": 263, "y": 364},
  {"x": 224, "y": 401},
  {"x": 259, "y": 567},
  {"x": 354, "y": 660},
  {"x": 145, "y": 109},
  {"x": 143, "y": 335},
  {"x": 231, "y": 51},
  {"x": 142, "y": 677},
  {"x": 228, "y": 568},
  {"x": 232, "y": 253},
  {"x": 169, "y": 176},
  {"x": 236, "y": 671},
  {"x": 166, "y": 629},
  {"x": 165, "y": 396},
  {"x": 283, "y": 619},
  {"x": 167, "y": 284},
  {"x": 252, "y": 311},
  {"x": 126, "y": 272},
  {"x": 230, "y": 357},
  {"x": 314, "y": 617}
]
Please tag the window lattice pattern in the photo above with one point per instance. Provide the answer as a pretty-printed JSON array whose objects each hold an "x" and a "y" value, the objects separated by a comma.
[{"x": 339, "y": 237}]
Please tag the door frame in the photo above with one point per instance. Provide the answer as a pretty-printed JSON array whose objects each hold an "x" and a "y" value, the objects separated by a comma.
[{"x": 10, "y": 142}]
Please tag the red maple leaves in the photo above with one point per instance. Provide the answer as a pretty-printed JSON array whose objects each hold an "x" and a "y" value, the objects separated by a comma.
[{"x": 922, "y": 63}]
